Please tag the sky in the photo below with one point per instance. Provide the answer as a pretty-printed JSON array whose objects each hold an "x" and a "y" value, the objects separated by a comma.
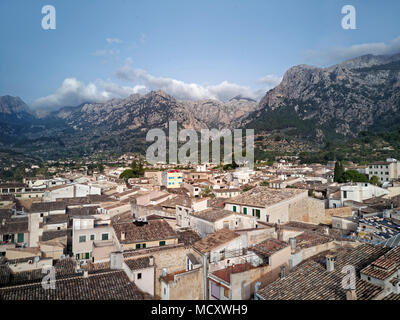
[{"x": 190, "y": 49}]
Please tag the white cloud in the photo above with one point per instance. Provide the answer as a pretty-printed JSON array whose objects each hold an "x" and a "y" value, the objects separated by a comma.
[
  {"x": 270, "y": 80},
  {"x": 73, "y": 92},
  {"x": 114, "y": 40},
  {"x": 182, "y": 90},
  {"x": 336, "y": 55}
]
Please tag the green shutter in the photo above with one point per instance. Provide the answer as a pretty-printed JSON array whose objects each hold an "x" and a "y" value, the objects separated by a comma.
[
  {"x": 20, "y": 237},
  {"x": 144, "y": 245},
  {"x": 162, "y": 243},
  {"x": 137, "y": 245},
  {"x": 234, "y": 208},
  {"x": 252, "y": 211},
  {"x": 258, "y": 213},
  {"x": 245, "y": 210}
]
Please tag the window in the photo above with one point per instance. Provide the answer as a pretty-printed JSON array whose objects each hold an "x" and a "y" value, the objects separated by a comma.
[
  {"x": 258, "y": 213},
  {"x": 20, "y": 237},
  {"x": 245, "y": 210},
  {"x": 234, "y": 208},
  {"x": 137, "y": 245},
  {"x": 162, "y": 243},
  {"x": 82, "y": 239},
  {"x": 92, "y": 237},
  {"x": 266, "y": 218},
  {"x": 226, "y": 292},
  {"x": 87, "y": 255},
  {"x": 104, "y": 236},
  {"x": 345, "y": 194},
  {"x": 338, "y": 225},
  {"x": 215, "y": 290},
  {"x": 143, "y": 245},
  {"x": 139, "y": 276}
]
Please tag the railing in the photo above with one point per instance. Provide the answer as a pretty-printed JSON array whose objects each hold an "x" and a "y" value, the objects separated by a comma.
[
  {"x": 354, "y": 238},
  {"x": 229, "y": 254}
]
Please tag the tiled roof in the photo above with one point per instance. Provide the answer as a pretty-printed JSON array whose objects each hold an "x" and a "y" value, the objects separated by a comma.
[
  {"x": 212, "y": 214},
  {"x": 311, "y": 281},
  {"x": 310, "y": 239},
  {"x": 53, "y": 234},
  {"x": 264, "y": 196},
  {"x": 56, "y": 219},
  {"x": 269, "y": 247},
  {"x": 17, "y": 225},
  {"x": 215, "y": 240},
  {"x": 188, "y": 236},
  {"x": 82, "y": 211},
  {"x": 153, "y": 230},
  {"x": 47, "y": 206},
  {"x": 384, "y": 266},
  {"x": 225, "y": 274},
  {"x": 140, "y": 263},
  {"x": 111, "y": 285}
]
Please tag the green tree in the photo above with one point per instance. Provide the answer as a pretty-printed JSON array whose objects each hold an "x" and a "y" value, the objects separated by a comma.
[
  {"x": 264, "y": 184},
  {"x": 127, "y": 174},
  {"x": 374, "y": 180},
  {"x": 353, "y": 176},
  {"x": 339, "y": 171},
  {"x": 100, "y": 167},
  {"x": 137, "y": 168},
  {"x": 207, "y": 192}
]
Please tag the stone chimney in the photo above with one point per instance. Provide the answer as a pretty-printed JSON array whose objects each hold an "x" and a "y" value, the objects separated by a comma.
[
  {"x": 122, "y": 236},
  {"x": 351, "y": 294},
  {"x": 116, "y": 260},
  {"x": 3, "y": 222},
  {"x": 330, "y": 262},
  {"x": 85, "y": 274},
  {"x": 292, "y": 242},
  {"x": 282, "y": 273},
  {"x": 151, "y": 261}
]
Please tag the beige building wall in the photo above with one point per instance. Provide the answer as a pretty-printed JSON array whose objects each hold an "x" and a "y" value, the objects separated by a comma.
[
  {"x": 187, "y": 286},
  {"x": 173, "y": 259},
  {"x": 308, "y": 210}
]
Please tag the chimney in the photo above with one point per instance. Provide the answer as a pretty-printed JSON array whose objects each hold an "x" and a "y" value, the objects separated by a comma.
[
  {"x": 351, "y": 294},
  {"x": 116, "y": 260},
  {"x": 164, "y": 272},
  {"x": 151, "y": 261},
  {"x": 122, "y": 236},
  {"x": 292, "y": 242},
  {"x": 282, "y": 273},
  {"x": 3, "y": 222},
  {"x": 85, "y": 274},
  {"x": 256, "y": 287},
  {"x": 330, "y": 262}
]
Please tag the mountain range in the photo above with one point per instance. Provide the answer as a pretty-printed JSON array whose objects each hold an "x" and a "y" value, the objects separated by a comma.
[{"x": 315, "y": 105}]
